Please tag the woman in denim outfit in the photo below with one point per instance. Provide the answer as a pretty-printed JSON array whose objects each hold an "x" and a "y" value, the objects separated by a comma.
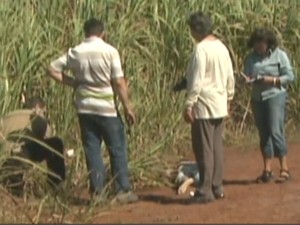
[{"x": 269, "y": 69}]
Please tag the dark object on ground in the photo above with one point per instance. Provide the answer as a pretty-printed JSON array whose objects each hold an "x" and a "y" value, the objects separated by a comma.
[{"x": 180, "y": 86}]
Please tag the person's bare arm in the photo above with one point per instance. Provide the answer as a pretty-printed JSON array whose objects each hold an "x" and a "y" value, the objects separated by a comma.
[
  {"x": 56, "y": 72},
  {"x": 120, "y": 88}
]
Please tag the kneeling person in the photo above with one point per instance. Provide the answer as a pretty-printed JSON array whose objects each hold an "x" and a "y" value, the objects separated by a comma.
[{"x": 27, "y": 132}]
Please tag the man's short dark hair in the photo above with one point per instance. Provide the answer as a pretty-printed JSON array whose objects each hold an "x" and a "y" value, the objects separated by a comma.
[
  {"x": 33, "y": 102},
  {"x": 263, "y": 34},
  {"x": 200, "y": 23},
  {"x": 93, "y": 26}
]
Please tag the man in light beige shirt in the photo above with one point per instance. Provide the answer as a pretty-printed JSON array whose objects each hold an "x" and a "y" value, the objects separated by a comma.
[
  {"x": 26, "y": 133},
  {"x": 210, "y": 85}
]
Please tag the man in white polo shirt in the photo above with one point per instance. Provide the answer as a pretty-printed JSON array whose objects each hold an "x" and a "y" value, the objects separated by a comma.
[{"x": 98, "y": 78}]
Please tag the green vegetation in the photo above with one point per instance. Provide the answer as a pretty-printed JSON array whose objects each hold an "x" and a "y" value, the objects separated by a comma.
[{"x": 155, "y": 45}]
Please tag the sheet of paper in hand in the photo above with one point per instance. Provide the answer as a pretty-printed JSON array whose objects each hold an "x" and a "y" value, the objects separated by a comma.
[{"x": 253, "y": 78}]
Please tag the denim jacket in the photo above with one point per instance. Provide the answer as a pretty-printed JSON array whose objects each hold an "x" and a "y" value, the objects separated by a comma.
[{"x": 277, "y": 64}]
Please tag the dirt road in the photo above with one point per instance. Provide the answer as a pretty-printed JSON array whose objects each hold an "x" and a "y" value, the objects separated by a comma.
[{"x": 246, "y": 202}]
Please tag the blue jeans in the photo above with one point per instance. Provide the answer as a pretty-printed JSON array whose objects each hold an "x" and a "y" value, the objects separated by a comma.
[
  {"x": 269, "y": 116},
  {"x": 94, "y": 130}
]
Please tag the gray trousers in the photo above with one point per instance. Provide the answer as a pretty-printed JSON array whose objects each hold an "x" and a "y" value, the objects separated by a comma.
[{"x": 207, "y": 144}]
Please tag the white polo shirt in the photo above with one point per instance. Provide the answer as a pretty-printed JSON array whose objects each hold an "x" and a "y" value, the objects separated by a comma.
[{"x": 94, "y": 64}]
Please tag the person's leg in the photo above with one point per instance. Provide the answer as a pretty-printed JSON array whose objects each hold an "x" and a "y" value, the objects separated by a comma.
[
  {"x": 115, "y": 138},
  {"x": 202, "y": 141},
  {"x": 218, "y": 159},
  {"x": 91, "y": 139},
  {"x": 260, "y": 113},
  {"x": 277, "y": 120},
  {"x": 283, "y": 159},
  {"x": 284, "y": 163},
  {"x": 55, "y": 160},
  {"x": 185, "y": 185},
  {"x": 50, "y": 150},
  {"x": 196, "y": 145}
]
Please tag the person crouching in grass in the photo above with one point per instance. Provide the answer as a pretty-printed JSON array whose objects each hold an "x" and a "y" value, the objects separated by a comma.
[
  {"x": 210, "y": 85},
  {"x": 27, "y": 133}
]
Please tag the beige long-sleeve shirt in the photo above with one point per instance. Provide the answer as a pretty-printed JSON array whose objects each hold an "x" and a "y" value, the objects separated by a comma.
[{"x": 210, "y": 80}]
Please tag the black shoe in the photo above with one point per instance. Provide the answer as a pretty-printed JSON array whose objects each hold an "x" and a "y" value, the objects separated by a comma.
[
  {"x": 199, "y": 198},
  {"x": 218, "y": 192},
  {"x": 266, "y": 177},
  {"x": 219, "y": 196}
]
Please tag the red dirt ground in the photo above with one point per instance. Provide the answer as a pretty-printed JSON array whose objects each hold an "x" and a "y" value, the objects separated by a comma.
[{"x": 245, "y": 201}]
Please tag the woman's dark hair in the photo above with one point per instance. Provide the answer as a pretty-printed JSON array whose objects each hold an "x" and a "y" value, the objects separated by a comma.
[
  {"x": 200, "y": 23},
  {"x": 263, "y": 34}
]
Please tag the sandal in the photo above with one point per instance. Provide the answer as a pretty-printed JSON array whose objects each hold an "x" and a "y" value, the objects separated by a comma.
[
  {"x": 265, "y": 177},
  {"x": 284, "y": 176}
]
